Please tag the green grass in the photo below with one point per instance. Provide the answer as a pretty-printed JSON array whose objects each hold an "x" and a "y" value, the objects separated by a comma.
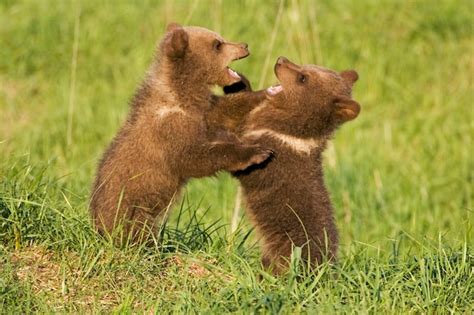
[{"x": 401, "y": 175}]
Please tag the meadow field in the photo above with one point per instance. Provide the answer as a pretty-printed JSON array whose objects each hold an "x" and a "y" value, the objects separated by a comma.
[{"x": 401, "y": 175}]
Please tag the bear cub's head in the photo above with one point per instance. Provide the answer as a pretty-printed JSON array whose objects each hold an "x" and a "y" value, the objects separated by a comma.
[
  {"x": 198, "y": 54},
  {"x": 319, "y": 98}
]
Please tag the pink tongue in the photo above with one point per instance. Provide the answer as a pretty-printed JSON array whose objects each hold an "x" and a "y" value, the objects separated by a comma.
[
  {"x": 233, "y": 74},
  {"x": 274, "y": 90}
]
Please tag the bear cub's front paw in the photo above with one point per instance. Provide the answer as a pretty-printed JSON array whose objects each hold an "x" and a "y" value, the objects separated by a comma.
[{"x": 251, "y": 155}]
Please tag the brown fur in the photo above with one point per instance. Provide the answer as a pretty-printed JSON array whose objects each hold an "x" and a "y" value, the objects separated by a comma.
[
  {"x": 166, "y": 140},
  {"x": 286, "y": 197}
]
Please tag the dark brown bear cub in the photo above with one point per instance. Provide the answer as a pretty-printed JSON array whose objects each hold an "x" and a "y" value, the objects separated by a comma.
[
  {"x": 286, "y": 196},
  {"x": 166, "y": 140}
]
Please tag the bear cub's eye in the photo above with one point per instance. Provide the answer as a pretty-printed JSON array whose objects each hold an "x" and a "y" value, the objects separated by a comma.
[
  {"x": 217, "y": 44},
  {"x": 302, "y": 78}
]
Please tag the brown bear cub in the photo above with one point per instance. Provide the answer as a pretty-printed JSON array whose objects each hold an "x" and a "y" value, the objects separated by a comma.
[
  {"x": 286, "y": 197},
  {"x": 165, "y": 139}
]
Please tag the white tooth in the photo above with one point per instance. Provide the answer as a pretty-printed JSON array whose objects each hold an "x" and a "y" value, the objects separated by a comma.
[
  {"x": 233, "y": 73},
  {"x": 274, "y": 90}
]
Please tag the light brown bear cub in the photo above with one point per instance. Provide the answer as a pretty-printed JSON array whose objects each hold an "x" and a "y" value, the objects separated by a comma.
[
  {"x": 286, "y": 197},
  {"x": 166, "y": 140}
]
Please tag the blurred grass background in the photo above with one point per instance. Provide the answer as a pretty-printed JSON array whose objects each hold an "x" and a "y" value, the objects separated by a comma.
[{"x": 400, "y": 175}]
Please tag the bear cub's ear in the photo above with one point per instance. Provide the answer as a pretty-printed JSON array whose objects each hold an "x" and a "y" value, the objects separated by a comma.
[
  {"x": 350, "y": 76},
  {"x": 172, "y": 26},
  {"x": 345, "y": 109},
  {"x": 176, "y": 42}
]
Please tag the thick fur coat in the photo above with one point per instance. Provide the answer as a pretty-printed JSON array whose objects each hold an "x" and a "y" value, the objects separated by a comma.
[
  {"x": 165, "y": 139},
  {"x": 286, "y": 196}
]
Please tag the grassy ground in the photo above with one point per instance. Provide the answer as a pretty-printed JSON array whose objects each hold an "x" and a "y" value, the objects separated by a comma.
[{"x": 401, "y": 175}]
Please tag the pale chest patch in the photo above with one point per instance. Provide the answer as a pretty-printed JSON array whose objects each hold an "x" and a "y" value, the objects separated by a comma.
[
  {"x": 299, "y": 145},
  {"x": 168, "y": 110}
]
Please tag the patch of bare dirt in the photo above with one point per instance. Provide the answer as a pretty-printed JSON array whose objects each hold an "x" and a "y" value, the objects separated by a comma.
[{"x": 62, "y": 279}]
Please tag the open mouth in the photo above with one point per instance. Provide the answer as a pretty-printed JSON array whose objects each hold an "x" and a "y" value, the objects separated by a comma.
[
  {"x": 274, "y": 90},
  {"x": 233, "y": 74}
]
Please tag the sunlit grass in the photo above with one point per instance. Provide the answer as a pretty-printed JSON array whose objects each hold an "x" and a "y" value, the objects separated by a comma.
[{"x": 400, "y": 175}]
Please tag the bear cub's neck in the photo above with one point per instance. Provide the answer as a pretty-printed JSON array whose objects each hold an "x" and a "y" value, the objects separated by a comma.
[
  {"x": 174, "y": 85},
  {"x": 294, "y": 125}
]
